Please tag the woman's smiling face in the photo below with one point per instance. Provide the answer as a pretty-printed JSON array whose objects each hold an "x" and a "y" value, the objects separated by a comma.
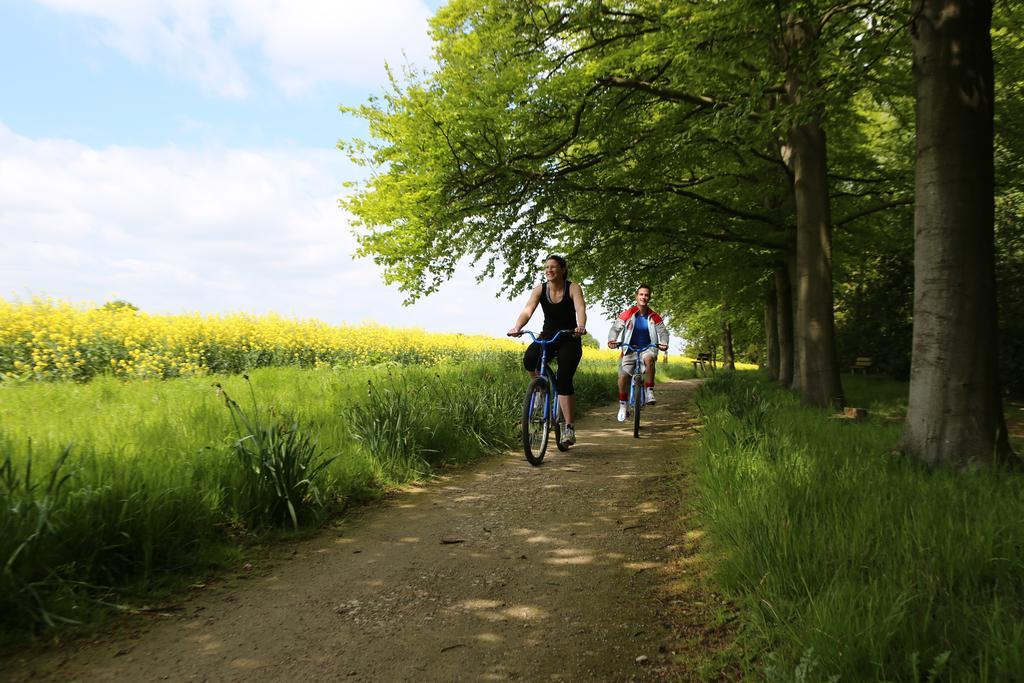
[{"x": 553, "y": 270}]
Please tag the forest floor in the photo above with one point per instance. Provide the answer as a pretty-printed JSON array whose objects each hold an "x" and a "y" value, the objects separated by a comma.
[{"x": 586, "y": 568}]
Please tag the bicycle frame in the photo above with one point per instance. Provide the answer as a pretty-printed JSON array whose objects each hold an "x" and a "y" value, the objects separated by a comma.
[{"x": 544, "y": 370}]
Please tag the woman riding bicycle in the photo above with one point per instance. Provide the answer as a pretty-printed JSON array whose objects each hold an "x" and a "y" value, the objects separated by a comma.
[
  {"x": 564, "y": 309},
  {"x": 639, "y": 326}
]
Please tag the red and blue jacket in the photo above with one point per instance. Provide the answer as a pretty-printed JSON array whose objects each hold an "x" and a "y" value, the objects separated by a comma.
[{"x": 622, "y": 328}]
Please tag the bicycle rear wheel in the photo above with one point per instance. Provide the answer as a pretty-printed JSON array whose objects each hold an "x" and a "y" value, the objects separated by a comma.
[
  {"x": 536, "y": 420},
  {"x": 638, "y": 400}
]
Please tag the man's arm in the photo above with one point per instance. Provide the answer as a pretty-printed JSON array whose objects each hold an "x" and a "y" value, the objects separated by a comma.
[
  {"x": 615, "y": 332},
  {"x": 663, "y": 336}
]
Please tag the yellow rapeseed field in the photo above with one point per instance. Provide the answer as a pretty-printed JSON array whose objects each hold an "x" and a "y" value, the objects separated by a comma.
[{"x": 54, "y": 340}]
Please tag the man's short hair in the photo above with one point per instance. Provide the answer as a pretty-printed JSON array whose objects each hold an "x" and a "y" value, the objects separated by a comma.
[{"x": 647, "y": 287}]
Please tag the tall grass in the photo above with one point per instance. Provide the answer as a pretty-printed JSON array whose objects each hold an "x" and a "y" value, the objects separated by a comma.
[
  {"x": 279, "y": 465},
  {"x": 852, "y": 562},
  {"x": 74, "y": 526},
  {"x": 109, "y": 486}
]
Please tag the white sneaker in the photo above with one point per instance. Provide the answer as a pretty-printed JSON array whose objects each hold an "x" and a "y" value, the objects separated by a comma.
[
  {"x": 622, "y": 411},
  {"x": 568, "y": 435},
  {"x": 650, "y": 394}
]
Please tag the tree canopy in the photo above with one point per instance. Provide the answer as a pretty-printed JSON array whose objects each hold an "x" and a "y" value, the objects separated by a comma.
[{"x": 605, "y": 130}]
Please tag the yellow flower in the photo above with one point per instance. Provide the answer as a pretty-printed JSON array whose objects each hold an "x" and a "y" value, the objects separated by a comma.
[{"x": 46, "y": 335}]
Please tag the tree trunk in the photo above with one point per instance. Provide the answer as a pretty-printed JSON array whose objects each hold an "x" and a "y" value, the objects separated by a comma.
[
  {"x": 771, "y": 330},
  {"x": 787, "y": 353},
  {"x": 955, "y": 415},
  {"x": 816, "y": 370},
  {"x": 728, "y": 359},
  {"x": 815, "y": 366}
]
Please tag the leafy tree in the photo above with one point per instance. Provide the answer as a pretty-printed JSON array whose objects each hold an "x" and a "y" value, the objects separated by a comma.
[
  {"x": 589, "y": 340},
  {"x": 119, "y": 305},
  {"x": 587, "y": 125}
]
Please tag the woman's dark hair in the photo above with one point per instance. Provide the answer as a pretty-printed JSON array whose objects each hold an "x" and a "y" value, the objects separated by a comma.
[{"x": 560, "y": 260}]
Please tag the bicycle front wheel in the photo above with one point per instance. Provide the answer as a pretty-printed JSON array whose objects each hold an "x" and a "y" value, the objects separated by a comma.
[
  {"x": 536, "y": 420},
  {"x": 638, "y": 400}
]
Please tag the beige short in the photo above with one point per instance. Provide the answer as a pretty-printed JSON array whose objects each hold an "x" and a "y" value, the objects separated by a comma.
[{"x": 628, "y": 361}]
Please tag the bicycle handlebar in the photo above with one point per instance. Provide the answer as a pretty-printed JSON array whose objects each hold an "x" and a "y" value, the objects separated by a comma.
[
  {"x": 636, "y": 349},
  {"x": 540, "y": 341}
]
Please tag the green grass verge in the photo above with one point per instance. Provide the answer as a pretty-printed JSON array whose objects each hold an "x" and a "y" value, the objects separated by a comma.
[
  {"x": 112, "y": 490},
  {"x": 850, "y": 562},
  {"x": 675, "y": 370}
]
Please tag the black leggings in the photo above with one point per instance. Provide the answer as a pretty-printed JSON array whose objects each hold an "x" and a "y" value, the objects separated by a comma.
[{"x": 568, "y": 351}]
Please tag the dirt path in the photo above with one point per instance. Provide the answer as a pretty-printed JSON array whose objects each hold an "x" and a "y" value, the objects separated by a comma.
[{"x": 500, "y": 571}]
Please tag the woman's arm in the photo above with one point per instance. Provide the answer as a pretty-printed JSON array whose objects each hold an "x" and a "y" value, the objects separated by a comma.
[
  {"x": 576, "y": 292},
  {"x": 527, "y": 312}
]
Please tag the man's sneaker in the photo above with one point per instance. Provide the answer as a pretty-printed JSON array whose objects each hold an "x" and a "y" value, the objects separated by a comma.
[
  {"x": 622, "y": 412},
  {"x": 650, "y": 394},
  {"x": 568, "y": 435}
]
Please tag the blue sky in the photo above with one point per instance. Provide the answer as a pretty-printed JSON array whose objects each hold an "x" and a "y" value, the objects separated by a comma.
[{"x": 181, "y": 155}]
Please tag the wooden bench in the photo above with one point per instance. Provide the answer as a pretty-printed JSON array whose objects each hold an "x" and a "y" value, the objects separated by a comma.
[
  {"x": 862, "y": 365},
  {"x": 704, "y": 360}
]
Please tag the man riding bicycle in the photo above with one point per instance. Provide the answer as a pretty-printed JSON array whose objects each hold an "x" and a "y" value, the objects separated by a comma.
[{"x": 638, "y": 326}]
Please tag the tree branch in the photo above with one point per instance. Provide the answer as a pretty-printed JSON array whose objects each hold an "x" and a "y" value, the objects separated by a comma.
[
  {"x": 874, "y": 209},
  {"x": 731, "y": 237},
  {"x": 723, "y": 208},
  {"x": 670, "y": 94}
]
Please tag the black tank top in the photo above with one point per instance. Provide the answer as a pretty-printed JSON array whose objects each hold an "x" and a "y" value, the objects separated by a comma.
[{"x": 560, "y": 316}]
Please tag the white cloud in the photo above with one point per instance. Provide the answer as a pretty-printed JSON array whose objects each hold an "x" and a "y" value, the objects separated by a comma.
[
  {"x": 58, "y": 254},
  {"x": 221, "y": 230},
  {"x": 224, "y": 45}
]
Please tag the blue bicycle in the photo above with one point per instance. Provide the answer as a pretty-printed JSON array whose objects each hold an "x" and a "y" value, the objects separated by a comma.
[
  {"x": 637, "y": 395},
  {"x": 540, "y": 408}
]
